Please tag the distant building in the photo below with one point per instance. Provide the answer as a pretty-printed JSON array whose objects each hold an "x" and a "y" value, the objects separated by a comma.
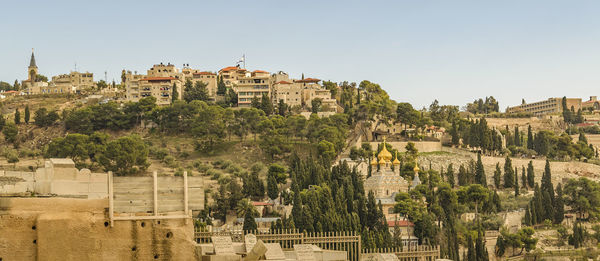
[
  {"x": 32, "y": 85},
  {"x": 159, "y": 83},
  {"x": 593, "y": 104},
  {"x": 301, "y": 92},
  {"x": 246, "y": 84},
  {"x": 208, "y": 78},
  {"x": 550, "y": 106},
  {"x": 70, "y": 83}
]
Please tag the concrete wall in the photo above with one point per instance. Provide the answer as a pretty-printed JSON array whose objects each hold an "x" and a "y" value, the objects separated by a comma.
[
  {"x": 422, "y": 146},
  {"x": 75, "y": 229}
]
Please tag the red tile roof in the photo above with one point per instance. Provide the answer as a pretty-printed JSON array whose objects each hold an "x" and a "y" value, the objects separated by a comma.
[
  {"x": 283, "y": 82},
  {"x": 401, "y": 223},
  {"x": 260, "y": 71},
  {"x": 231, "y": 68},
  {"x": 11, "y": 92},
  {"x": 158, "y": 79},
  {"x": 204, "y": 73},
  {"x": 309, "y": 80}
]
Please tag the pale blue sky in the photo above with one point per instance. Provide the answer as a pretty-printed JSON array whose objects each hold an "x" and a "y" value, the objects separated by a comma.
[{"x": 418, "y": 51}]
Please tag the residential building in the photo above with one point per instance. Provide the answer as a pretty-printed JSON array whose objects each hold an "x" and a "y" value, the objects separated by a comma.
[
  {"x": 593, "y": 104},
  {"x": 550, "y": 106},
  {"x": 70, "y": 83},
  {"x": 252, "y": 84},
  {"x": 158, "y": 82},
  {"x": 209, "y": 78},
  {"x": 301, "y": 92}
]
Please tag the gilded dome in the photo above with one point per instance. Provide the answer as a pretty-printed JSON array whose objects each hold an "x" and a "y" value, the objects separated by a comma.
[
  {"x": 374, "y": 160},
  {"x": 384, "y": 153},
  {"x": 396, "y": 161},
  {"x": 416, "y": 169}
]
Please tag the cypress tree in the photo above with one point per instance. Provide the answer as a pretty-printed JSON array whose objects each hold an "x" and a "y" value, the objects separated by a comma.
[
  {"x": 450, "y": 175},
  {"x": 559, "y": 206},
  {"x": 249, "y": 222},
  {"x": 547, "y": 187},
  {"x": 471, "y": 256},
  {"x": 527, "y": 218},
  {"x": 17, "y": 116},
  {"x": 463, "y": 178},
  {"x": 582, "y": 138},
  {"x": 516, "y": 137},
  {"x": 529, "y": 138},
  {"x": 516, "y": 183},
  {"x": 175, "y": 94},
  {"x": 27, "y": 113},
  {"x": 540, "y": 211},
  {"x": 533, "y": 214},
  {"x": 523, "y": 177},
  {"x": 480, "y": 172},
  {"x": 272, "y": 190},
  {"x": 530, "y": 174},
  {"x": 509, "y": 175},
  {"x": 497, "y": 176}
]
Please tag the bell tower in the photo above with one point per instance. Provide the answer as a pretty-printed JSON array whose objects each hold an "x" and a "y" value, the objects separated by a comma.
[{"x": 32, "y": 70}]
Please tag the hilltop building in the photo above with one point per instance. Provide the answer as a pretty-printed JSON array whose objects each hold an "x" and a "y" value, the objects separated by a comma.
[
  {"x": 70, "y": 83},
  {"x": 593, "y": 104},
  {"x": 208, "y": 78},
  {"x": 550, "y": 106},
  {"x": 32, "y": 85},
  {"x": 301, "y": 92},
  {"x": 158, "y": 82}
]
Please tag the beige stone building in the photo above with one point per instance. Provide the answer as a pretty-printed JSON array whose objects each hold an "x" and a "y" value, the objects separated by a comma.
[
  {"x": 32, "y": 85},
  {"x": 592, "y": 104},
  {"x": 252, "y": 84},
  {"x": 72, "y": 82},
  {"x": 301, "y": 92},
  {"x": 158, "y": 83},
  {"x": 209, "y": 78},
  {"x": 550, "y": 106}
]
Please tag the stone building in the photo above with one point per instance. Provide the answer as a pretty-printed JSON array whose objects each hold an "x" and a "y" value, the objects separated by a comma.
[
  {"x": 550, "y": 106},
  {"x": 158, "y": 82},
  {"x": 208, "y": 78},
  {"x": 593, "y": 104},
  {"x": 32, "y": 85},
  {"x": 386, "y": 182},
  {"x": 70, "y": 83}
]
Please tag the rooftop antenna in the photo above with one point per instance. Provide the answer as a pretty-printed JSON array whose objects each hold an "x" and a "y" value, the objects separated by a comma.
[
  {"x": 75, "y": 66},
  {"x": 105, "y": 76}
]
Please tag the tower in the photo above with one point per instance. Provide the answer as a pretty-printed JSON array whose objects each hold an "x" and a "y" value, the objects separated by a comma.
[{"x": 32, "y": 70}]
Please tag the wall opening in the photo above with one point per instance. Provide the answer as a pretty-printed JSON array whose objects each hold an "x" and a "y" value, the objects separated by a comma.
[
  {"x": 106, "y": 223},
  {"x": 169, "y": 234},
  {"x": 143, "y": 224}
]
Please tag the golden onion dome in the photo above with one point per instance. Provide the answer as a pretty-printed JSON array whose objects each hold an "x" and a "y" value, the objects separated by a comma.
[
  {"x": 384, "y": 153},
  {"x": 374, "y": 160},
  {"x": 416, "y": 169},
  {"x": 382, "y": 161},
  {"x": 396, "y": 161}
]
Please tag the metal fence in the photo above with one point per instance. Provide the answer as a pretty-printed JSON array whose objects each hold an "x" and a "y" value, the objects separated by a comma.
[{"x": 349, "y": 241}]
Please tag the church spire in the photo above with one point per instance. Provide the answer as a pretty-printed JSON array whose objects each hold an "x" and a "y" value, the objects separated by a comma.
[{"x": 32, "y": 61}]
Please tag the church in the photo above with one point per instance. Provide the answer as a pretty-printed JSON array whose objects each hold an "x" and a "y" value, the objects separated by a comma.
[{"x": 387, "y": 182}]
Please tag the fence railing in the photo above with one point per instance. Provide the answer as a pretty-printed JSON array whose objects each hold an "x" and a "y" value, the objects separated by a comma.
[{"x": 349, "y": 241}]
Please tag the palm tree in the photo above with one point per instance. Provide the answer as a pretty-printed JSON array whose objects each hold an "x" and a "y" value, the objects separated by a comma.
[{"x": 245, "y": 206}]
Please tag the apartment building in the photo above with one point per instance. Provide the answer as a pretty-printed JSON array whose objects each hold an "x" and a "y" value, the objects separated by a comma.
[
  {"x": 209, "y": 78},
  {"x": 158, "y": 82},
  {"x": 550, "y": 106},
  {"x": 252, "y": 84},
  {"x": 70, "y": 83},
  {"x": 301, "y": 92},
  {"x": 593, "y": 104}
]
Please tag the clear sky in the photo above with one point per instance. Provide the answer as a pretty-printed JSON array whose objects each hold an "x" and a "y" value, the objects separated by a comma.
[{"x": 453, "y": 51}]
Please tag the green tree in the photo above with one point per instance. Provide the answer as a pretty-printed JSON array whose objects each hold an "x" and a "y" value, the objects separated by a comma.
[
  {"x": 17, "y": 116},
  {"x": 196, "y": 92},
  {"x": 221, "y": 87},
  {"x": 559, "y": 206},
  {"x": 174, "y": 94},
  {"x": 125, "y": 155},
  {"x": 530, "y": 174},
  {"x": 450, "y": 175},
  {"x": 266, "y": 105},
  {"x": 10, "y": 132},
  {"x": 509, "y": 175},
  {"x": 315, "y": 105},
  {"x": 529, "y": 138},
  {"x": 272, "y": 188},
  {"x": 27, "y": 114},
  {"x": 497, "y": 176},
  {"x": 480, "y": 172},
  {"x": 43, "y": 118}
]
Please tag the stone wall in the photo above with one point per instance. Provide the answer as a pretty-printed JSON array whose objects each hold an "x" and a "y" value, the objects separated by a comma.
[
  {"x": 78, "y": 229},
  {"x": 422, "y": 146}
]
